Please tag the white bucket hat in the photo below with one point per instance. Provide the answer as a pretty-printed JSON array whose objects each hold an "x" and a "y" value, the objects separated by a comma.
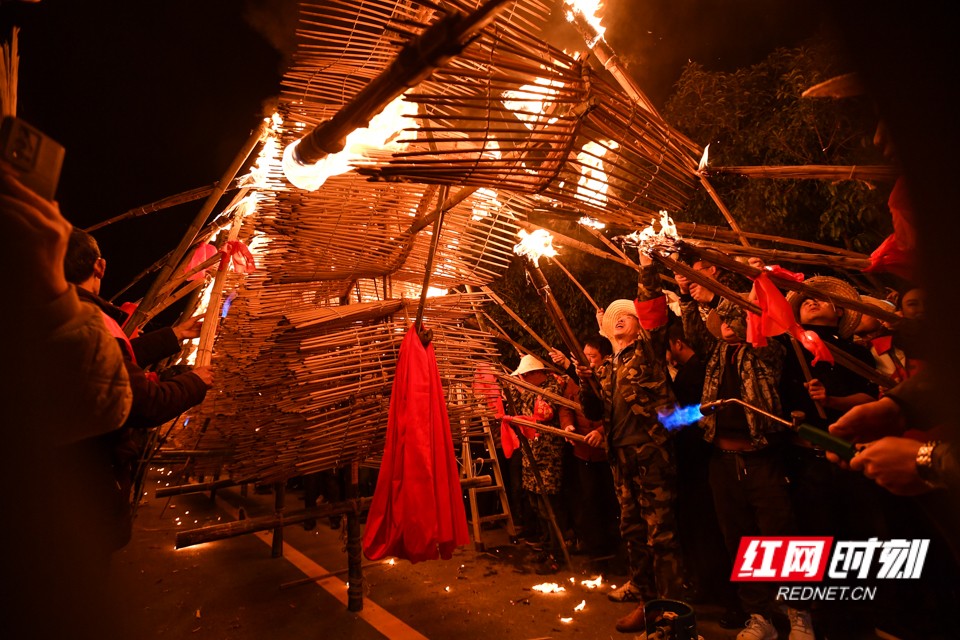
[
  {"x": 528, "y": 363},
  {"x": 616, "y": 309}
]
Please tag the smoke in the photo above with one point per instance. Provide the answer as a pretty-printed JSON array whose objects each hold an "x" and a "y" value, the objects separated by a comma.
[{"x": 276, "y": 21}]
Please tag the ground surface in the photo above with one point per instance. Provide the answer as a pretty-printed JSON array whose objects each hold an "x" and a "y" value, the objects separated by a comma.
[{"x": 234, "y": 589}]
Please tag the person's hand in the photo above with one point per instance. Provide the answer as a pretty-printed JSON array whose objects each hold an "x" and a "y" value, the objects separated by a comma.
[
  {"x": 756, "y": 263},
  {"x": 569, "y": 428},
  {"x": 645, "y": 259},
  {"x": 35, "y": 237},
  {"x": 188, "y": 329},
  {"x": 818, "y": 392},
  {"x": 594, "y": 439},
  {"x": 559, "y": 359},
  {"x": 205, "y": 374},
  {"x": 584, "y": 371},
  {"x": 869, "y": 421},
  {"x": 683, "y": 282},
  {"x": 700, "y": 294},
  {"x": 892, "y": 464}
]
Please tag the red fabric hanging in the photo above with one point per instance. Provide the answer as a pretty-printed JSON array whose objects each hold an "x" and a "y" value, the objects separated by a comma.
[
  {"x": 896, "y": 254},
  {"x": 417, "y": 511}
]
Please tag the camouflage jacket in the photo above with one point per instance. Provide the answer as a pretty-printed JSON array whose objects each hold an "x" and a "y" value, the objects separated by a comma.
[
  {"x": 759, "y": 369},
  {"x": 635, "y": 382}
]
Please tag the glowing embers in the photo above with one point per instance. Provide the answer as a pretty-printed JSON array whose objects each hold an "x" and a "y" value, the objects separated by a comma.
[
  {"x": 382, "y": 134},
  {"x": 535, "y": 245}
]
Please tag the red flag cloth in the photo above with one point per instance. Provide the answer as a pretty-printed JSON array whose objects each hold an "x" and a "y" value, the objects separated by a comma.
[
  {"x": 776, "y": 317},
  {"x": 485, "y": 385},
  {"x": 202, "y": 253},
  {"x": 417, "y": 511},
  {"x": 240, "y": 257},
  {"x": 652, "y": 313},
  {"x": 896, "y": 254}
]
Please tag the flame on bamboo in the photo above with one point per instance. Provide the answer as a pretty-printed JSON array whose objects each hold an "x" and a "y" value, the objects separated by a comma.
[
  {"x": 533, "y": 246},
  {"x": 382, "y": 132},
  {"x": 437, "y": 44},
  {"x": 589, "y": 26}
]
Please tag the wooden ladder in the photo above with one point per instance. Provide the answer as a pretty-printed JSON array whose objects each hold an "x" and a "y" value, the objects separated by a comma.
[{"x": 484, "y": 443}]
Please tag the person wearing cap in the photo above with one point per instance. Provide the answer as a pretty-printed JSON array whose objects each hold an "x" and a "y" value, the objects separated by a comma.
[
  {"x": 828, "y": 500},
  {"x": 634, "y": 385},
  {"x": 547, "y": 452},
  {"x": 746, "y": 472},
  {"x": 593, "y": 504}
]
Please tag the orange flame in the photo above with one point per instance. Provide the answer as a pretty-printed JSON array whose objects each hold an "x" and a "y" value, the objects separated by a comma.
[{"x": 535, "y": 245}]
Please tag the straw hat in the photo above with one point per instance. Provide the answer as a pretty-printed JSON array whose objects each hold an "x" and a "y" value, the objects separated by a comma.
[
  {"x": 616, "y": 309},
  {"x": 885, "y": 305},
  {"x": 527, "y": 364},
  {"x": 837, "y": 290}
]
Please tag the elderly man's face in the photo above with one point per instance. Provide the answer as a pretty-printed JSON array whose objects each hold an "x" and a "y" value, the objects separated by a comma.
[
  {"x": 626, "y": 327},
  {"x": 818, "y": 312}
]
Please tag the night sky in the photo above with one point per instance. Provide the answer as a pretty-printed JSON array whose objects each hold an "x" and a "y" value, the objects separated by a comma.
[{"x": 154, "y": 98}]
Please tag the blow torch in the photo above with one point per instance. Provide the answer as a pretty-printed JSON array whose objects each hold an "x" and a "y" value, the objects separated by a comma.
[{"x": 843, "y": 449}]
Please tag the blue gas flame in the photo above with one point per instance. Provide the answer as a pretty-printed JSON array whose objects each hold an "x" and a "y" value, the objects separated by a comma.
[{"x": 678, "y": 417}]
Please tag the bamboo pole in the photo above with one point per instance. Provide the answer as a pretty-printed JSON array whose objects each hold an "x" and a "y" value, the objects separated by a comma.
[
  {"x": 576, "y": 282},
  {"x": 559, "y": 320},
  {"x": 517, "y": 382},
  {"x": 730, "y": 264},
  {"x": 159, "y": 205},
  {"x": 774, "y": 255},
  {"x": 817, "y": 172},
  {"x": 569, "y": 435},
  {"x": 237, "y": 528},
  {"x": 139, "y": 316},
  {"x": 419, "y": 58},
  {"x": 510, "y": 312}
]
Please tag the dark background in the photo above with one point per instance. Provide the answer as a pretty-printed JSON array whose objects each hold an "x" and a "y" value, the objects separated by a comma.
[{"x": 154, "y": 98}]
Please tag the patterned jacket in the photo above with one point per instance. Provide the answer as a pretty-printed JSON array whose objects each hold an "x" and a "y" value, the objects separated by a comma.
[
  {"x": 547, "y": 448},
  {"x": 759, "y": 369},
  {"x": 635, "y": 382}
]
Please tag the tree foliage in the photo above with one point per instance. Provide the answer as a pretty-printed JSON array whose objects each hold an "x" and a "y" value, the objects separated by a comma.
[{"x": 756, "y": 116}]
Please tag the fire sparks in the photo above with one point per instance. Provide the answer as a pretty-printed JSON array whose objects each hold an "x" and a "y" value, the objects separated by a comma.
[
  {"x": 649, "y": 240},
  {"x": 592, "y": 584},
  {"x": 381, "y": 133},
  {"x": 592, "y": 186},
  {"x": 589, "y": 11},
  {"x": 535, "y": 245},
  {"x": 581, "y": 606},
  {"x": 592, "y": 223},
  {"x": 566, "y": 620},
  {"x": 705, "y": 159},
  {"x": 548, "y": 587}
]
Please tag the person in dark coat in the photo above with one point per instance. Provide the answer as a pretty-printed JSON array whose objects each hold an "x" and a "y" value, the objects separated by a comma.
[{"x": 155, "y": 401}]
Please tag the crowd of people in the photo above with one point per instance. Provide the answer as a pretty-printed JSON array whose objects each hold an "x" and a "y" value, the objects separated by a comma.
[{"x": 691, "y": 488}]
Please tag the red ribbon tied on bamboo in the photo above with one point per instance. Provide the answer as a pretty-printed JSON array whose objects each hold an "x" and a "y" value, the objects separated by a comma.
[
  {"x": 776, "y": 317},
  {"x": 241, "y": 259}
]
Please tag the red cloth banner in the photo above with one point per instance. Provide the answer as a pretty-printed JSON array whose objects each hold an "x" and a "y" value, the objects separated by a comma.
[
  {"x": 417, "y": 511},
  {"x": 776, "y": 317}
]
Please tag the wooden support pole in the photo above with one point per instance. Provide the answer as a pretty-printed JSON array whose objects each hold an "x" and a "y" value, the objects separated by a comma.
[
  {"x": 354, "y": 545},
  {"x": 279, "y": 498},
  {"x": 245, "y": 526},
  {"x": 139, "y": 316}
]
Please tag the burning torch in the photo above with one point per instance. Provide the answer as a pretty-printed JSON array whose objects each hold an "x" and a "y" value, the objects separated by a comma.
[
  {"x": 843, "y": 449},
  {"x": 534, "y": 246}
]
